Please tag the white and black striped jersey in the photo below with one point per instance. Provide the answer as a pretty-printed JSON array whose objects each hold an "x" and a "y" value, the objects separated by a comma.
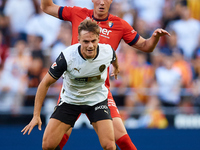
[{"x": 83, "y": 79}]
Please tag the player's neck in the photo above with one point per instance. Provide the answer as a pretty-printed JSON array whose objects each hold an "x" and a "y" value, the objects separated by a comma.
[{"x": 98, "y": 17}]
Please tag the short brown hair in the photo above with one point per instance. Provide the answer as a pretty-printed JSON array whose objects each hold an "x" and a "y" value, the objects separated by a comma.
[{"x": 89, "y": 25}]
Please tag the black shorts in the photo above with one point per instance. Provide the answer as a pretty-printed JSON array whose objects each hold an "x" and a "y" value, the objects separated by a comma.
[{"x": 69, "y": 113}]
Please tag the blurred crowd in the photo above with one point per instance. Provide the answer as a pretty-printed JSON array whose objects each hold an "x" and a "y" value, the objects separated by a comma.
[{"x": 31, "y": 40}]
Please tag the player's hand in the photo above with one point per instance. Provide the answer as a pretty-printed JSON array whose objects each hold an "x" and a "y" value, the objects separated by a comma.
[
  {"x": 160, "y": 32},
  {"x": 35, "y": 121},
  {"x": 115, "y": 72}
]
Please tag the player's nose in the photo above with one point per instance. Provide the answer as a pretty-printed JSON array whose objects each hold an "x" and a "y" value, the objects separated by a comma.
[
  {"x": 90, "y": 45},
  {"x": 102, "y": 2}
]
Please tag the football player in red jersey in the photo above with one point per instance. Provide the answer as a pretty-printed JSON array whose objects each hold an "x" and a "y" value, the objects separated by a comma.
[{"x": 113, "y": 29}]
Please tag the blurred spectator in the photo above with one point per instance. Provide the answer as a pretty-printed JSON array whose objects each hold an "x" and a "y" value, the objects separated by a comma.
[
  {"x": 63, "y": 40},
  {"x": 170, "y": 45},
  {"x": 153, "y": 116},
  {"x": 4, "y": 24},
  {"x": 126, "y": 57},
  {"x": 35, "y": 46},
  {"x": 142, "y": 28},
  {"x": 18, "y": 12},
  {"x": 45, "y": 26},
  {"x": 186, "y": 106},
  {"x": 116, "y": 9},
  {"x": 36, "y": 72},
  {"x": 86, "y": 3},
  {"x": 196, "y": 81},
  {"x": 194, "y": 6},
  {"x": 149, "y": 11},
  {"x": 171, "y": 48},
  {"x": 4, "y": 50},
  {"x": 80, "y": 3},
  {"x": 13, "y": 81},
  {"x": 196, "y": 93},
  {"x": 186, "y": 39},
  {"x": 37, "y": 68},
  {"x": 168, "y": 83},
  {"x": 170, "y": 12},
  {"x": 122, "y": 9},
  {"x": 184, "y": 68},
  {"x": 157, "y": 58},
  {"x": 196, "y": 61},
  {"x": 2, "y": 5},
  {"x": 140, "y": 77}
]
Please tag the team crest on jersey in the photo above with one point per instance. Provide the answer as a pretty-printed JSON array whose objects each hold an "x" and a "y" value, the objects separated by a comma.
[
  {"x": 110, "y": 24},
  {"x": 133, "y": 31},
  {"x": 102, "y": 68},
  {"x": 87, "y": 18},
  {"x": 53, "y": 65}
]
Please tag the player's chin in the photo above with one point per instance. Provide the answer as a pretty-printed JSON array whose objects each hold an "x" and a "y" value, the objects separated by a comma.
[
  {"x": 101, "y": 11},
  {"x": 90, "y": 53}
]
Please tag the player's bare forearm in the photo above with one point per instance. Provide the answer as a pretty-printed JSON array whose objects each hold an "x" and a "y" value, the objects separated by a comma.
[
  {"x": 49, "y": 7},
  {"x": 148, "y": 45},
  {"x": 39, "y": 99},
  {"x": 115, "y": 68},
  {"x": 41, "y": 93}
]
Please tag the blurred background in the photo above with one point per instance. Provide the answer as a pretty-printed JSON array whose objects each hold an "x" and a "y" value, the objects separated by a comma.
[{"x": 158, "y": 94}]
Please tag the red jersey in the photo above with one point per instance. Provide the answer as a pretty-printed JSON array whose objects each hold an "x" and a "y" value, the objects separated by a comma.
[{"x": 112, "y": 29}]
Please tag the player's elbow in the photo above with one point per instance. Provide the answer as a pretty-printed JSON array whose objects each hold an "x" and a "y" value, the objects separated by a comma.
[
  {"x": 47, "y": 6},
  {"x": 44, "y": 8}
]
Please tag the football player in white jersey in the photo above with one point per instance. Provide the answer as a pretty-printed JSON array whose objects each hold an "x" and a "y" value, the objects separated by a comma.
[{"x": 84, "y": 70}]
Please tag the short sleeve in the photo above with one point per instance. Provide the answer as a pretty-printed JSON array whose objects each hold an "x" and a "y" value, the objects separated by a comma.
[
  {"x": 58, "y": 67},
  {"x": 130, "y": 36}
]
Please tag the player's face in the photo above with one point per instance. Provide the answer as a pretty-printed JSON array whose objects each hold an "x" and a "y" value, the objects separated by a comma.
[
  {"x": 101, "y": 8},
  {"x": 89, "y": 42}
]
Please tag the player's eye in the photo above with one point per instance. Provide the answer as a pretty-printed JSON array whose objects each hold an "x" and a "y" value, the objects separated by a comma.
[
  {"x": 93, "y": 41},
  {"x": 86, "y": 42}
]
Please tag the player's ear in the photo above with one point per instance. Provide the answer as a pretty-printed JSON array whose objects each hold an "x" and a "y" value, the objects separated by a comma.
[{"x": 78, "y": 38}]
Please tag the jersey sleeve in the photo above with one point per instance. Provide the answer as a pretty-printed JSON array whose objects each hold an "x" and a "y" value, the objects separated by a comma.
[
  {"x": 130, "y": 36},
  {"x": 58, "y": 67},
  {"x": 66, "y": 13}
]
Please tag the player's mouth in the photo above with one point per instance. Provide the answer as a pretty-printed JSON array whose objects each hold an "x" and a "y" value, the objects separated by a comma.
[
  {"x": 90, "y": 50},
  {"x": 101, "y": 9}
]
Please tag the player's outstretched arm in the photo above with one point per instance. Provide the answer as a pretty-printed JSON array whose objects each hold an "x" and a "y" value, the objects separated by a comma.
[
  {"x": 39, "y": 99},
  {"x": 115, "y": 68},
  {"x": 148, "y": 45},
  {"x": 49, "y": 7}
]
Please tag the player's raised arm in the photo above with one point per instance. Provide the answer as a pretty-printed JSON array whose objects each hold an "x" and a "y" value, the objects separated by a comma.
[
  {"x": 49, "y": 7},
  {"x": 148, "y": 45}
]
